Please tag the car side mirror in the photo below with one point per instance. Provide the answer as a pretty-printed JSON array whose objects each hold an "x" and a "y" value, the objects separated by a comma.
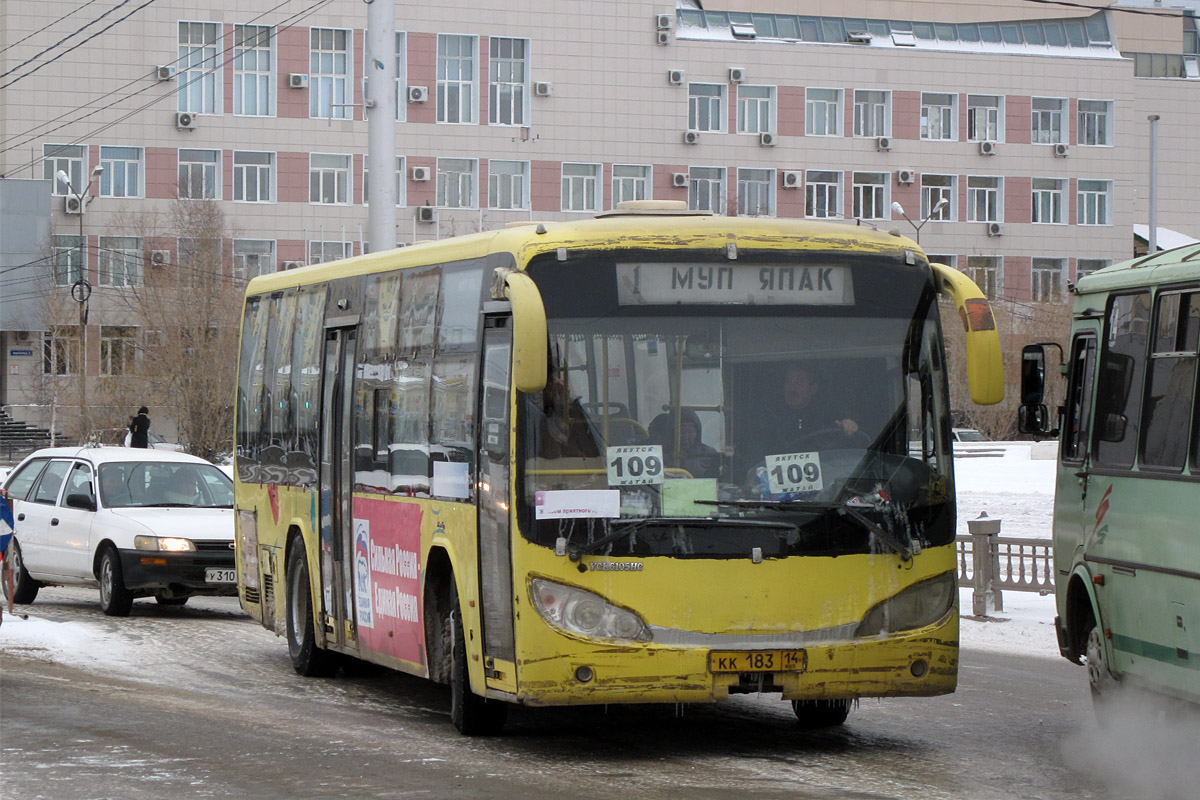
[{"x": 81, "y": 500}]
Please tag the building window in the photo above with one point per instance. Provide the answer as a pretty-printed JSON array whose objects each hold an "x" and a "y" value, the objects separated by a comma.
[
  {"x": 580, "y": 187},
  {"x": 987, "y": 273},
  {"x": 755, "y": 109},
  {"x": 508, "y": 73},
  {"x": 985, "y": 118},
  {"x": 1048, "y": 277},
  {"x": 253, "y": 177},
  {"x": 328, "y": 179},
  {"x": 122, "y": 175},
  {"x": 630, "y": 182},
  {"x": 1048, "y": 116},
  {"x": 1095, "y": 122},
  {"x": 320, "y": 252},
  {"x": 198, "y": 67},
  {"x": 1049, "y": 195},
  {"x": 822, "y": 194},
  {"x": 60, "y": 351},
  {"x": 253, "y": 257},
  {"x": 69, "y": 260},
  {"x": 69, "y": 158},
  {"x": 456, "y": 182},
  {"x": 253, "y": 70},
  {"x": 756, "y": 192},
  {"x": 508, "y": 184},
  {"x": 871, "y": 195},
  {"x": 983, "y": 199},
  {"x": 118, "y": 349},
  {"x": 948, "y": 260},
  {"x": 872, "y": 113},
  {"x": 1093, "y": 203},
  {"x": 398, "y": 177},
  {"x": 401, "y": 75},
  {"x": 823, "y": 112},
  {"x": 456, "y": 78},
  {"x": 706, "y": 189},
  {"x": 120, "y": 261},
  {"x": 934, "y": 189},
  {"x": 199, "y": 174},
  {"x": 939, "y": 116},
  {"x": 329, "y": 73},
  {"x": 1086, "y": 266},
  {"x": 706, "y": 107}
]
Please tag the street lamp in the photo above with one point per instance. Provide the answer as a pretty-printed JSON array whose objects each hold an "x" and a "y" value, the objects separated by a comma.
[
  {"x": 81, "y": 290},
  {"x": 938, "y": 206}
]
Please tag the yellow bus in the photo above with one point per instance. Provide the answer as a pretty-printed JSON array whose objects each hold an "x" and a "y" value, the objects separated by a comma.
[{"x": 651, "y": 457}]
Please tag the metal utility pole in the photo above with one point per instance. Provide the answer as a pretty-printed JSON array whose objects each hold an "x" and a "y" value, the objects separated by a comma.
[
  {"x": 1152, "y": 236},
  {"x": 380, "y": 103}
]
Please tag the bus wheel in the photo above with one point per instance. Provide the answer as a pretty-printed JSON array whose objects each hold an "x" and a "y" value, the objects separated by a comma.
[
  {"x": 307, "y": 659},
  {"x": 25, "y": 588},
  {"x": 817, "y": 714},
  {"x": 471, "y": 714},
  {"x": 1100, "y": 677},
  {"x": 115, "y": 599}
]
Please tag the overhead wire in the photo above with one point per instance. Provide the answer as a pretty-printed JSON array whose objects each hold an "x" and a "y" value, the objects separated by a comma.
[{"x": 45, "y": 27}]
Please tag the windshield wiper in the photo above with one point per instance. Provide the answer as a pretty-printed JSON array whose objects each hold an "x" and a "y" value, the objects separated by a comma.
[
  {"x": 884, "y": 536},
  {"x": 576, "y": 551}
]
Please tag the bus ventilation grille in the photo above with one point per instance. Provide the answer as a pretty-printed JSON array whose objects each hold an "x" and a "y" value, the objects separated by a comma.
[
  {"x": 268, "y": 588},
  {"x": 252, "y": 595}
]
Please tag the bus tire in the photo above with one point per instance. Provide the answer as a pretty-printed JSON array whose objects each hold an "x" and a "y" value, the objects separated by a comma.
[
  {"x": 307, "y": 659},
  {"x": 115, "y": 599},
  {"x": 25, "y": 588},
  {"x": 471, "y": 714},
  {"x": 1100, "y": 678},
  {"x": 817, "y": 714}
]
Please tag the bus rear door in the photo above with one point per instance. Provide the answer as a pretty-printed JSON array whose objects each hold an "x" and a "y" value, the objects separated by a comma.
[{"x": 337, "y": 472}]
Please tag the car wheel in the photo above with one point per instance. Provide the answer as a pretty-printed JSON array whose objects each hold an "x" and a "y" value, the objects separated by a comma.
[
  {"x": 817, "y": 714},
  {"x": 25, "y": 588},
  {"x": 163, "y": 600},
  {"x": 471, "y": 714},
  {"x": 307, "y": 659},
  {"x": 115, "y": 599}
]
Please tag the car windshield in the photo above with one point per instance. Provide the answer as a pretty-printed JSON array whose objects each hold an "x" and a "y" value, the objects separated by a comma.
[{"x": 142, "y": 484}]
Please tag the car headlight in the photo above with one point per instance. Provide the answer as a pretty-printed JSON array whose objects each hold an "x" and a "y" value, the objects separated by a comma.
[
  {"x": 170, "y": 544},
  {"x": 915, "y": 607},
  {"x": 585, "y": 613}
]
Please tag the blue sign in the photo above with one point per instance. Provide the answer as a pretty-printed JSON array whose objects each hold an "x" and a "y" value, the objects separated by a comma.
[{"x": 20, "y": 352}]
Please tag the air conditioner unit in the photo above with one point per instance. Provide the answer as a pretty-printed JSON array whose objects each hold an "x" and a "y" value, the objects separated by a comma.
[
  {"x": 994, "y": 229},
  {"x": 679, "y": 179},
  {"x": 164, "y": 73},
  {"x": 185, "y": 120},
  {"x": 420, "y": 173},
  {"x": 790, "y": 179},
  {"x": 675, "y": 77},
  {"x": 766, "y": 139},
  {"x": 72, "y": 205},
  {"x": 160, "y": 258},
  {"x": 292, "y": 264},
  {"x": 297, "y": 80},
  {"x": 424, "y": 213},
  {"x": 737, "y": 74},
  {"x": 1061, "y": 150},
  {"x": 418, "y": 94},
  {"x": 691, "y": 137},
  {"x": 987, "y": 148},
  {"x": 543, "y": 88},
  {"x": 905, "y": 176},
  {"x": 662, "y": 22},
  {"x": 664, "y": 37},
  {"x": 883, "y": 143}
]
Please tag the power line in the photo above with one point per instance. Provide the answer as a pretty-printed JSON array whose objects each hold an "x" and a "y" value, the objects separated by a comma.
[{"x": 24, "y": 39}]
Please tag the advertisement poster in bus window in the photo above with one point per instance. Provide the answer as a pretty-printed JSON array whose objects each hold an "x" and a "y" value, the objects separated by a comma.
[{"x": 387, "y": 578}]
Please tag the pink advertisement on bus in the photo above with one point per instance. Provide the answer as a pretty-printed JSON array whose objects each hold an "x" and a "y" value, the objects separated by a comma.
[{"x": 387, "y": 578}]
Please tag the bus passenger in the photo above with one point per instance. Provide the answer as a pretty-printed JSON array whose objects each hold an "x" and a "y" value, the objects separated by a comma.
[{"x": 692, "y": 454}]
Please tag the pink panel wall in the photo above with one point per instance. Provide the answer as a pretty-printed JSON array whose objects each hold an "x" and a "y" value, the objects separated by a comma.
[
  {"x": 227, "y": 174},
  {"x": 422, "y": 71},
  {"x": 153, "y": 275},
  {"x": 162, "y": 173},
  {"x": 1073, "y": 120},
  {"x": 227, "y": 73},
  {"x": 962, "y": 117},
  {"x": 356, "y": 180},
  {"x": 848, "y": 112},
  {"x": 545, "y": 185},
  {"x": 1018, "y": 199},
  {"x": 292, "y": 56},
  {"x": 909, "y": 196},
  {"x": 663, "y": 190},
  {"x": 1072, "y": 201},
  {"x": 788, "y": 202},
  {"x": 292, "y": 177},
  {"x": 289, "y": 250},
  {"x": 356, "y": 72},
  {"x": 791, "y": 110},
  {"x": 1018, "y": 278},
  {"x": 484, "y": 95},
  {"x": 421, "y": 193},
  {"x": 482, "y": 195},
  {"x": 906, "y": 116},
  {"x": 1018, "y": 118}
]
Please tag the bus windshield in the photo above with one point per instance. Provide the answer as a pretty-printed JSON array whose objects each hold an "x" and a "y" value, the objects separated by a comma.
[{"x": 788, "y": 425}]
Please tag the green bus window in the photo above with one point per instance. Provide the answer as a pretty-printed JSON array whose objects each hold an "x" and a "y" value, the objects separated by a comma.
[
  {"x": 1079, "y": 398},
  {"x": 1122, "y": 369},
  {"x": 1170, "y": 382}
]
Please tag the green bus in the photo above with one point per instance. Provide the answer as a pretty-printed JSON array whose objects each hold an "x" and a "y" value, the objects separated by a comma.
[{"x": 1126, "y": 536}]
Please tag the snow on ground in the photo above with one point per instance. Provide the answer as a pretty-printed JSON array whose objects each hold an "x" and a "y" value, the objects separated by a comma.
[{"x": 1012, "y": 481}]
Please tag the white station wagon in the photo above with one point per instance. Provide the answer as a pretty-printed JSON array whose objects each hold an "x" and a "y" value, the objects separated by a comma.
[{"x": 135, "y": 522}]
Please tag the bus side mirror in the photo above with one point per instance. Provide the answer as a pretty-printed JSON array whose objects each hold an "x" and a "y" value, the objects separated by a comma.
[
  {"x": 1033, "y": 375},
  {"x": 530, "y": 339},
  {"x": 1112, "y": 427},
  {"x": 985, "y": 367},
  {"x": 1033, "y": 418}
]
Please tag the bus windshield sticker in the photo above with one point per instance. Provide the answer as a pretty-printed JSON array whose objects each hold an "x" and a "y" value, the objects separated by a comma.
[
  {"x": 631, "y": 465},
  {"x": 578, "y": 503},
  {"x": 679, "y": 497},
  {"x": 673, "y": 284},
  {"x": 794, "y": 472},
  {"x": 450, "y": 479}
]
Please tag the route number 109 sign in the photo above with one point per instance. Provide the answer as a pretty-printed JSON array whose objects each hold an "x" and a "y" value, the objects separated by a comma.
[
  {"x": 632, "y": 465},
  {"x": 794, "y": 472}
]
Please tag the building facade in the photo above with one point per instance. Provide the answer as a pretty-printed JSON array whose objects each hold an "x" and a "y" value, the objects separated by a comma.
[{"x": 1010, "y": 137}]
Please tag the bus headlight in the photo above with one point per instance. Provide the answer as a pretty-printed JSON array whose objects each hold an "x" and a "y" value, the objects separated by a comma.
[
  {"x": 915, "y": 607},
  {"x": 170, "y": 544},
  {"x": 585, "y": 613}
]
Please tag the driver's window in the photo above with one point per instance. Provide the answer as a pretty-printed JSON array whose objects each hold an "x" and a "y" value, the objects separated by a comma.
[{"x": 79, "y": 482}]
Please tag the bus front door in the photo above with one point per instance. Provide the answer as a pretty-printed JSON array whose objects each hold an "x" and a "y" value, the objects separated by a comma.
[{"x": 337, "y": 474}]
